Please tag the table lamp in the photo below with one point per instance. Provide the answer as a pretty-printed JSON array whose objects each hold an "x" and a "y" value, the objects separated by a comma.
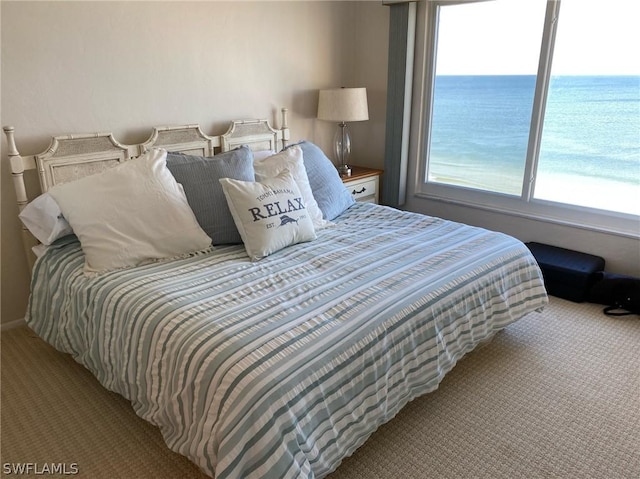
[{"x": 343, "y": 105}]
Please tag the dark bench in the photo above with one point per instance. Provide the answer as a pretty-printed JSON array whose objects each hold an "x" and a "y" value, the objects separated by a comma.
[{"x": 567, "y": 274}]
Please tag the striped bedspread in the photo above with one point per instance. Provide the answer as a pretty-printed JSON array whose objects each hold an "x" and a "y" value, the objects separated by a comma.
[{"x": 283, "y": 367}]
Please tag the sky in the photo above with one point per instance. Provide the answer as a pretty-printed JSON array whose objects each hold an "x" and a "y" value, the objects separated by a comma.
[{"x": 502, "y": 37}]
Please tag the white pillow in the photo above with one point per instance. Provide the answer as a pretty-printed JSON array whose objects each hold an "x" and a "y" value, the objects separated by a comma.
[
  {"x": 39, "y": 250},
  {"x": 131, "y": 214},
  {"x": 291, "y": 159},
  {"x": 270, "y": 214},
  {"x": 44, "y": 219}
]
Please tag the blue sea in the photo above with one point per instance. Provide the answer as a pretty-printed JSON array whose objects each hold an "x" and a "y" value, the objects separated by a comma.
[{"x": 590, "y": 148}]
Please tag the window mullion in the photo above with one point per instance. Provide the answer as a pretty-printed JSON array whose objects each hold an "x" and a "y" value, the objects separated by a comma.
[{"x": 540, "y": 97}]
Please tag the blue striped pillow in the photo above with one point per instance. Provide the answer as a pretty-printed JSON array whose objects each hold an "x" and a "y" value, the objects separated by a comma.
[
  {"x": 200, "y": 177},
  {"x": 327, "y": 187}
]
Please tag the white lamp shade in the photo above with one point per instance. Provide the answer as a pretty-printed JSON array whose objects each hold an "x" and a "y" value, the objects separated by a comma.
[{"x": 343, "y": 104}]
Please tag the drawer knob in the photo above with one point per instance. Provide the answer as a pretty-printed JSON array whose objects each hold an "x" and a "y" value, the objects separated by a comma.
[{"x": 358, "y": 192}]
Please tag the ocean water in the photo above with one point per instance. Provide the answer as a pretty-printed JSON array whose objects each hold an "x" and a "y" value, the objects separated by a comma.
[{"x": 590, "y": 148}]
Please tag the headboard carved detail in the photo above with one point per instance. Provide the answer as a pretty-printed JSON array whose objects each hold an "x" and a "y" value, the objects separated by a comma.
[
  {"x": 72, "y": 157},
  {"x": 187, "y": 139},
  {"x": 258, "y": 133},
  {"x": 74, "y": 145}
]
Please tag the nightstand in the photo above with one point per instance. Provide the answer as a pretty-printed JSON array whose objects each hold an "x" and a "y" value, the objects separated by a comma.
[{"x": 364, "y": 184}]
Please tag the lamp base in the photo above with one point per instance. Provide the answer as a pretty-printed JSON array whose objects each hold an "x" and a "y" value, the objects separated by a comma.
[{"x": 344, "y": 170}]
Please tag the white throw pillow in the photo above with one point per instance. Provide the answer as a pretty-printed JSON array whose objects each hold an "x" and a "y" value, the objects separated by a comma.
[
  {"x": 43, "y": 218},
  {"x": 268, "y": 166},
  {"x": 270, "y": 214},
  {"x": 131, "y": 214},
  {"x": 39, "y": 250}
]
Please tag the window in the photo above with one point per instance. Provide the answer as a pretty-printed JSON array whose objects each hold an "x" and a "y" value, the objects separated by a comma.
[
  {"x": 483, "y": 93},
  {"x": 534, "y": 107},
  {"x": 591, "y": 134}
]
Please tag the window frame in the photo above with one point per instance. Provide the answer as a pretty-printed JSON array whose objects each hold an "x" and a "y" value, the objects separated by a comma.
[{"x": 526, "y": 205}]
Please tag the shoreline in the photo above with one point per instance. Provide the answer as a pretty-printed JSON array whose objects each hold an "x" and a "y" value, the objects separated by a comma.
[{"x": 600, "y": 193}]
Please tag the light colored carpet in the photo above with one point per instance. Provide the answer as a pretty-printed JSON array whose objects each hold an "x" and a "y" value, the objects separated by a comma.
[{"x": 556, "y": 395}]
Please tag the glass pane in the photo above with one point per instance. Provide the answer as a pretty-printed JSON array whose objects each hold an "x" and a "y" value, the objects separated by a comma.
[
  {"x": 486, "y": 64},
  {"x": 590, "y": 148}
]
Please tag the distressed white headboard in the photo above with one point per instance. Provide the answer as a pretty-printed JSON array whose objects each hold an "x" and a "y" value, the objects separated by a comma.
[{"x": 70, "y": 157}]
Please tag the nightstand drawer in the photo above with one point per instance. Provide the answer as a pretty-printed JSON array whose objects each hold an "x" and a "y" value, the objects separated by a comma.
[
  {"x": 363, "y": 184},
  {"x": 364, "y": 190}
]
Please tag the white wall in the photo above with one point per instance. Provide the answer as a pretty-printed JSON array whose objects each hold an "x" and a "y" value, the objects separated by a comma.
[
  {"x": 369, "y": 68},
  {"x": 77, "y": 67}
]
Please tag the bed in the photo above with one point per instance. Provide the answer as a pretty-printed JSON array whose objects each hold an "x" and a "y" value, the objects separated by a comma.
[{"x": 283, "y": 365}]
